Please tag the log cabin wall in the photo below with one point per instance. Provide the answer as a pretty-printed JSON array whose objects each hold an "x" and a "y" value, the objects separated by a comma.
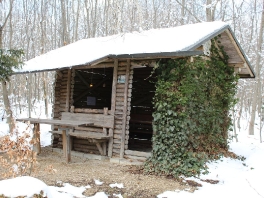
[
  {"x": 60, "y": 93},
  {"x": 120, "y": 105},
  {"x": 76, "y": 89}
]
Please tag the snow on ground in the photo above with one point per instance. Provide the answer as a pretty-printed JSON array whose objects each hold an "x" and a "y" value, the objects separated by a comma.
[{"x": 237, "y": 178}]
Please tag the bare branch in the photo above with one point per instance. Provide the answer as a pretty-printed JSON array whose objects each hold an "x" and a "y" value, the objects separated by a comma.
[
  {"x": 198, "y": 20},
  {"x": 10, "y": 10}
]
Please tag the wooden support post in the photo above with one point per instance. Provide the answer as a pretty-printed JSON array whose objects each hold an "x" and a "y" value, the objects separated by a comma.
[
  {"x": 113, "y": 100},
  {"x": 66, "y": 144},
  {"x": 110, "y": 143},
  {"x": 36, "y": 138},
  {"x": 123, "y": 136},
  {"x": 67, "y": 107},
  {"x": 105, "y": 133},
  {"x": 99, "y": 148},
  {"x": 72, "y": 109},
  {"x": 68, "y": 147}
]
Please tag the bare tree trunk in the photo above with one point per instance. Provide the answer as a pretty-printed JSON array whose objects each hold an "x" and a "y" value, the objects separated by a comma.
[
  {"x": 64, "y": 35},
  {"x": 208, "y": 10},
  {"x": 10, "y": 120},
  {"x": 45, "y": 92},
  {"x": 257, "y": 86},
  {"x": 9, "y": 114}
]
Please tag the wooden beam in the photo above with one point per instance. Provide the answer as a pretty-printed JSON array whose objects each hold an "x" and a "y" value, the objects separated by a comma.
[
  {"x": 91, "y": 89},
  {"x": 99, "y": 148},
  {"x": 238, "y": 51},
  {"x": 82, "y": 79},
  {"x": 110, "y": 143},
  {"x": 68, "y": 95},
  {"x": 123, "y": 136},
  {"x": 113, "y": 100}
]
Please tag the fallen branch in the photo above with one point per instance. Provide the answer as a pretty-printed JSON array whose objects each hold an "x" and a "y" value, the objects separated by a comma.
[{"x": 254, "y": 189}]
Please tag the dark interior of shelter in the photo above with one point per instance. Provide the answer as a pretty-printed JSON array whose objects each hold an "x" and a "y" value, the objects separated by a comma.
[
  {"x": 140, "y": 125},
  {"x": 93, "y": 88}
]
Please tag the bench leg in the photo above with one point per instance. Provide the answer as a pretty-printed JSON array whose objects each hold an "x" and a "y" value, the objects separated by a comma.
[
  {"x": 99, "y": 148},
  {"x": 36, "y": 138},
  {"x": 110, "y": 143},
  {"x": 66, "y": 143}
]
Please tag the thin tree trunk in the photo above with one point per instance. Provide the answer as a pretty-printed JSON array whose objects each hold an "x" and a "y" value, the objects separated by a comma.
[
  {"x": 9, "y": 114},
  {"x": 257, "y": 86}
]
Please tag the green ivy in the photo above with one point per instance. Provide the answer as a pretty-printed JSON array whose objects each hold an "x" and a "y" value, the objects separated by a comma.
[{"x": 191, "y": 113}]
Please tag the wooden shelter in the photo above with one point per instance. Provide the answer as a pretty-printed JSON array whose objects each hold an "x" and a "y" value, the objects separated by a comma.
[{"x": 115, "y": 92}]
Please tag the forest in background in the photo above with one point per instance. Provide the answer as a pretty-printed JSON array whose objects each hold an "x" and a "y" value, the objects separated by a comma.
[{"x": 38, "y": 26}]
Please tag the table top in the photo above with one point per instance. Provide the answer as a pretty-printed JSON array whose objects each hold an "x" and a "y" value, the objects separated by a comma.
[{"x": 67, "y": 123}]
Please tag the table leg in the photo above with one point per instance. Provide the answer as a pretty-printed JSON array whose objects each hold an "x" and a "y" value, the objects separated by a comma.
[
  {"x": 66, "y": 143},
  {"x": 36, "y": 138}
]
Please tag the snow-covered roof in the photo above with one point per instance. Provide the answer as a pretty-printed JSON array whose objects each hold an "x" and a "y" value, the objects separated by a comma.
[{"x": 87, "y": 51}]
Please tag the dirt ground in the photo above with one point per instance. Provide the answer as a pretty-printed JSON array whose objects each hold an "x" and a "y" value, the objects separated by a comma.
[{"x": 82, "y": 172}]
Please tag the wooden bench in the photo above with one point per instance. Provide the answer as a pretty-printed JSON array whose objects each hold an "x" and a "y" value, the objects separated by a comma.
[{"x": 100, "y": 133}]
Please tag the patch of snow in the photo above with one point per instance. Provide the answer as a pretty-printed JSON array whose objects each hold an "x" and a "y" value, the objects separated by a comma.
[
  {"x": 118, "y": 195},
  {"x": 70, "y": 190},
  {"x": 98, "y": 182},
  {"x": 116, "y": 185}
]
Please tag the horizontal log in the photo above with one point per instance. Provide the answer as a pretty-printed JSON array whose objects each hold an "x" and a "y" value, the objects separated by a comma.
[
  {"x": 119, "y": 112},
  {"x": 117, "y": 141},
  {"x": 121, "y": 72},
  {"x": 95, "y": 111},
  {"x": 117, "y": 136},
  {"x": 137, "y": 153},
  {"x": 117, "y": 131},
  {"x": 118, "y": 126},
  {"x": 118, "y": 121},
  {"x": 116, "y": 146},
  {"x": 120, "y": 90},
  {"x": 85, "y": 147},
  {"x": 116, "y": 151},
  {"x": 120, "y": 99},
  {"x": 119, "y": 107},
  {"x": 90, "y": 129},
  {"x": 135, "y": 158},
  {"x": 120, "y": 86}
]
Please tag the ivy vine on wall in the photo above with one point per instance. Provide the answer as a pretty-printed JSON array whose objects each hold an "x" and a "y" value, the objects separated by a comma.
[{"x": 191, "y": 113}]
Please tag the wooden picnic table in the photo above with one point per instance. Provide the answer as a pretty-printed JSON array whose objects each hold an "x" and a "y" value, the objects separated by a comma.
[{"x": 65, "y": 125}]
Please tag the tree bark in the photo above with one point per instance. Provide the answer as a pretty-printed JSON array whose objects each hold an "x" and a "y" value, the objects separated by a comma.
[
  {"x": 257, "y": 86},
  {"x": 9, "y": 114}
]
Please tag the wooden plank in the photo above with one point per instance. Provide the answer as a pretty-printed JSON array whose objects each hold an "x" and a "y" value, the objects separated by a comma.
[
  {"x": 136, "y": 158},
  {"x": 122, "y": 149},
  {"x": 113, "y": 99},
  {"x": 237, "y": 49},
  {"x": 97, "y": 119},
  {"x": 100, "y": 148},
  {"x": 63, "y": 123},
  {"x": 137, "y": 153},
  {"x": 95, "y": 111},
  {"x": 90, "y": 129},
  {"x": 82, "y": 79}
]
